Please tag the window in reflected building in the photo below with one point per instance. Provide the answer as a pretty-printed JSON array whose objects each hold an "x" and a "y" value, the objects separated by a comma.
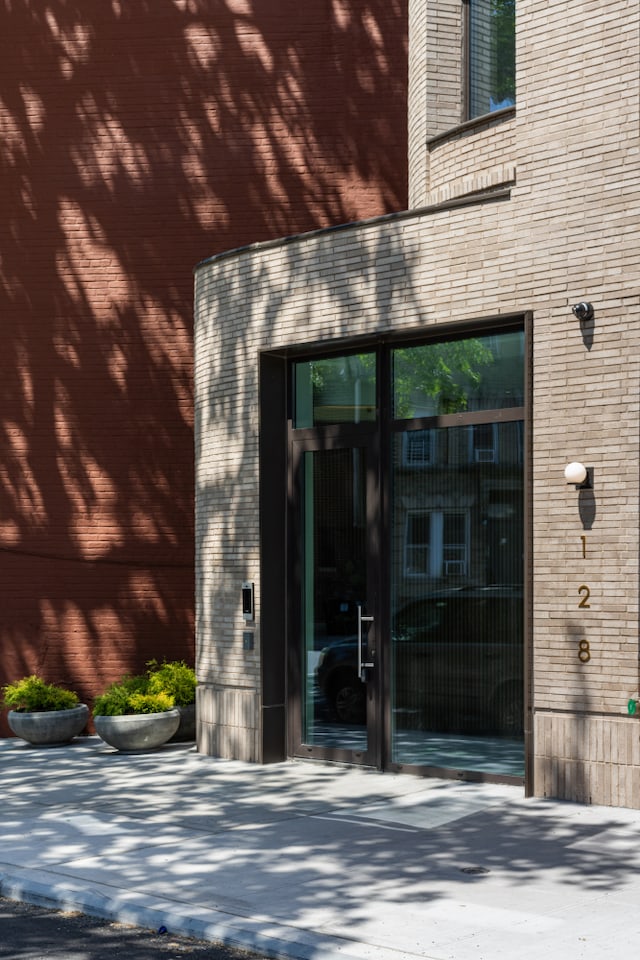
[
  {"x": 436, "y": 543},
  {"x": 491, "y": 56},
  {"x": 418, "y": 448}
]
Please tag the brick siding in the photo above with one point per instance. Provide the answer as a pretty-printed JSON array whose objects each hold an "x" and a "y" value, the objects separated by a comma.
[{"x": 137, "y": 139}]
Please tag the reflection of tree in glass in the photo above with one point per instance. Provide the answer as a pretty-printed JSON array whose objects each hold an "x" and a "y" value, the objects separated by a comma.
[
  {"x": 503, "y": 34},
  {"x": 445, "y": 372},
  {"x": 342, "y": 369},
  {"x": 352, "y": 378}
]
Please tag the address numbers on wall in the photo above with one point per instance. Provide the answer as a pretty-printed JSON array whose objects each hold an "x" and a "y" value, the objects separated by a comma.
[{"x": 584, "y": 592}]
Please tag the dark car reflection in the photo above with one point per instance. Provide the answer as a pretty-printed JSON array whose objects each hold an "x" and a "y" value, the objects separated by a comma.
[{"x": 456, "y": 664}]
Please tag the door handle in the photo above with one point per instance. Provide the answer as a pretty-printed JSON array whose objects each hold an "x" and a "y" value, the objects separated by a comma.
[{"x": 362, "y": 664}]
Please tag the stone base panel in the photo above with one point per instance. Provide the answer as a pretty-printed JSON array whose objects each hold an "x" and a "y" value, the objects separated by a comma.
[
  {"x": 588, "y": 759},
  {"x": 228, "y": 723}
]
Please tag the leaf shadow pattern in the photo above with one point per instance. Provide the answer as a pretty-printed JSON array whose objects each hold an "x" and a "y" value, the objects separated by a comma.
[
  {"x": 341, "y": 852},
  {"x": 138, "y": 138}
]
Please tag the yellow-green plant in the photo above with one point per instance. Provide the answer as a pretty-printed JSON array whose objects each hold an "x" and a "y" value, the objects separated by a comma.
[
  {"x": 131, "y": 695},
  {"x": 32, "y": 694},
  {"x": 174, "y": 677}
]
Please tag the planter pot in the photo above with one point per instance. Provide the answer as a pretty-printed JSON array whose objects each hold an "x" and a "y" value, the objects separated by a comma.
[
  {"x": 134, "y": 732},
  {"x": 49, "y": 728},
  {"x": 187, "y": 729}
]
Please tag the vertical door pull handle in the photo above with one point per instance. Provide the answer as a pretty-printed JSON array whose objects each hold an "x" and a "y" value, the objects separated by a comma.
[{"x": 362, "y": 665}]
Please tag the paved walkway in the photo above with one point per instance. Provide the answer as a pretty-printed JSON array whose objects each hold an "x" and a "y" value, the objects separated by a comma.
[{"x": 316, "y": 862}]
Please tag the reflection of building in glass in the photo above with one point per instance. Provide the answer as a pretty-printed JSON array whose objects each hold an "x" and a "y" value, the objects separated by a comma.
[{"x": 436, "y": 543}]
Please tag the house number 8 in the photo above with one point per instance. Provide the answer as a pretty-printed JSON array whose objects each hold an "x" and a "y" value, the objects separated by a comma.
[{"x": 584, "y": 653}]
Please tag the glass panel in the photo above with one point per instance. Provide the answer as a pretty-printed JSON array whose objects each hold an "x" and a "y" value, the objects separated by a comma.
[
  {"x": 457, "y": 601},
  {"x": 480, "y": 373},
  {"x": 492, "y": 56},
  {"x": 335, "y": 390},
  {"x": 334, "y": 582}
]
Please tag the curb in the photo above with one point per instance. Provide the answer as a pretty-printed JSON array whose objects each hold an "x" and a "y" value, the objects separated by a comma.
[{"x": 273, "y": 940}]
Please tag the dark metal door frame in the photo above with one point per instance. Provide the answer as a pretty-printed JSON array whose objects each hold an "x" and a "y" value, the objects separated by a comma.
[{"x": 371, "y": 435}]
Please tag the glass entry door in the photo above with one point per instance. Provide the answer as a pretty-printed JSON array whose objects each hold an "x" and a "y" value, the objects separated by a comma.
[{"x": 336, "y": 540}]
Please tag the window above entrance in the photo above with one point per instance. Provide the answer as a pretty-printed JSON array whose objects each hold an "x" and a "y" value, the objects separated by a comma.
[
  {"x": 455, "y": 376},
  {"x": 335, "y": 390}
]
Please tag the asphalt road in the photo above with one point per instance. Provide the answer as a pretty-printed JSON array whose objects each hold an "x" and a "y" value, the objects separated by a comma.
[{"x": 35, "y": 933}]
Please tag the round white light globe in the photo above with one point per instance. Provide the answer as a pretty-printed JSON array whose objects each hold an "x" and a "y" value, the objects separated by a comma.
[{"x": 575, "y": 472}]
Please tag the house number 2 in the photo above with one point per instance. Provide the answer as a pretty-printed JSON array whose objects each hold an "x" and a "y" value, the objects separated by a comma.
[{"x": 585, "y": 593}]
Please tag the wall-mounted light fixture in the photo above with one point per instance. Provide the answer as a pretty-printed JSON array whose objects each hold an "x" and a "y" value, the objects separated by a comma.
[
  {"x": 583, "y": 311},
  {"x": 576, "y": 472}
]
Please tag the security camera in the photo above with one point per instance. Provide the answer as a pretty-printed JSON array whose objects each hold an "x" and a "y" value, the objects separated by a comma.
[{"x": 583, "y": 310}]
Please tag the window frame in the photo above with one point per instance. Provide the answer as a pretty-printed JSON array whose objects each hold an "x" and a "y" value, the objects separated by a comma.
[{"x": 467, "y": 73}]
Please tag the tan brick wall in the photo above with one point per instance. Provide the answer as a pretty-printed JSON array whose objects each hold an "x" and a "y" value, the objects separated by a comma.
[
  {"x": 567, "y": 231},
  {"x": 436, "y": 95},
  {"x": 417, "y": 104},
  {"x": 472, "y": 158}
]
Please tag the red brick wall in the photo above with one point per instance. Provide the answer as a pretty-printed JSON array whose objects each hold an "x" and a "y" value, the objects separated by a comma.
[{"x": 136, "y": 138}]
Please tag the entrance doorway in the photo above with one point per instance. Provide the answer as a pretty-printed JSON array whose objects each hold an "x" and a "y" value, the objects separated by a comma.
[{"x": 406, "y": 629}]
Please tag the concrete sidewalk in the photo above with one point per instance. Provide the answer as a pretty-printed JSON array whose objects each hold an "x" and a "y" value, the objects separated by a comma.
[{"x": 300, "y": 860}]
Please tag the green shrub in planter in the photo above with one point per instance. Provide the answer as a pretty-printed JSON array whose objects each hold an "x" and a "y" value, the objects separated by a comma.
[
  {"x": 42, "y": 713},
  {"x": 131, "y": 717},
  {"x": 151, "y": 702},
  {"x": 32, "y": 694},
  {"x": 131, "y": 695},
  {"x": 175, "y": 678}
]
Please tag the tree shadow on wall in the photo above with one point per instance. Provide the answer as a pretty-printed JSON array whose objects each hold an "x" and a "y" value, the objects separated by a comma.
[
  {"x": 139, "y": 138},
  {"x": 334, "y": 284}
]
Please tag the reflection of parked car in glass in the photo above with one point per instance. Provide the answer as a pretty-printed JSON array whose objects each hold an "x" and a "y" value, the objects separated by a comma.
[
  {"x": 338, "y": 681},
  {"x": 456, "y": 664}
]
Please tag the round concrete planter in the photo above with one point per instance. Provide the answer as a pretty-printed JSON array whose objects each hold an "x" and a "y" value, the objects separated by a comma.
[
  {"x": 49, "y": 728},
  {"x": 135, "y": 732},
  {"x": 187, "y": 729}
]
